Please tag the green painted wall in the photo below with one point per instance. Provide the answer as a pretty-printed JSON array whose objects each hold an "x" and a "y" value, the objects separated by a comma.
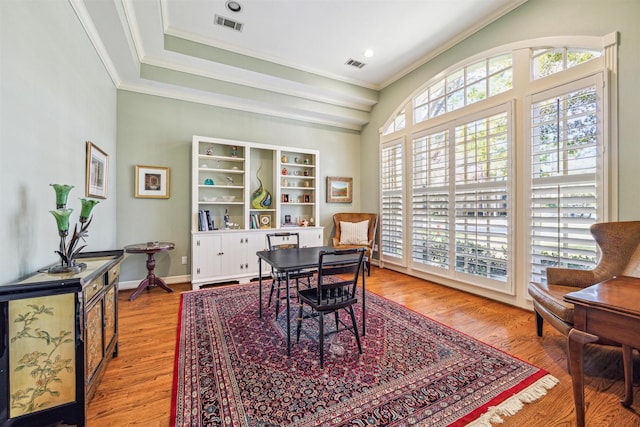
[
  {"x": 157, "y": 131},
  {"x": 54, "y": 95}
]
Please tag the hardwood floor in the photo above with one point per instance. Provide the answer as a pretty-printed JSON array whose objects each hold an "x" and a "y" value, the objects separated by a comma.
[{"x": 136, "y": 388}]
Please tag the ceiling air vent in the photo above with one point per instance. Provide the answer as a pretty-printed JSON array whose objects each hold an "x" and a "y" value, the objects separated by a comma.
[
  {"x": 229, "y": 23},
  {"x": 355, "y": 63}
]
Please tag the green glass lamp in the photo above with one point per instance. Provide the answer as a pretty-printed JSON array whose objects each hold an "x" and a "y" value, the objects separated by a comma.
[{"x": 68, "y": 252}]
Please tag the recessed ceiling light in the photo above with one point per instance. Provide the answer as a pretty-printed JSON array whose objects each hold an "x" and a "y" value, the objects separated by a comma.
[
  {"x": 234, "y": 6},
  {"x": 368, "y": 53}
]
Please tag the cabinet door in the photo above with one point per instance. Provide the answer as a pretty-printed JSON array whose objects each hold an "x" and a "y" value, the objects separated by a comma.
[
  {"x": 311, "y": 237},
  {"x": 206, "y": 252},
  {"x": 254, "y": 242},
  {"x": 233, "y": 248},
  {"x": 109, "y": 315},
  {"x": 94, "y": 351}
]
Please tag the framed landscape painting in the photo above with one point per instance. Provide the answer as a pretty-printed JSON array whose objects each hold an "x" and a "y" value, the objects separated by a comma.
[{"x": 339, "y": 189}]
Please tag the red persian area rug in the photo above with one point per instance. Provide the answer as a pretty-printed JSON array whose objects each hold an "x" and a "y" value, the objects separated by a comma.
[{"x": 232, "y": 369}]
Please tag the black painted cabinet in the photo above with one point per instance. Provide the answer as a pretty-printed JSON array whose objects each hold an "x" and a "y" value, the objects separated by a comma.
[{"x": 59, "y": 332}]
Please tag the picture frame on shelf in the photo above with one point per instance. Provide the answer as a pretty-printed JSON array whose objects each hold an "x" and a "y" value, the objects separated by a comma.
[
  {"x": 152, "y": 182},
  {"x": 285, "y": 198},
  {"x": 306, "y": 198},
  {"x": 339, "y": 189},
  {"x": 97, "y": 172}
]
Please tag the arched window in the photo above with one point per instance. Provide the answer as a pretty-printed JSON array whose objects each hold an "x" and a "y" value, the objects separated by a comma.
[{"x": 453, "y": 201}]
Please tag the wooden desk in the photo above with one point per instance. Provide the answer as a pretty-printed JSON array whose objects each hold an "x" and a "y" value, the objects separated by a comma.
[
  {"x": 149, "y": 248},
  {"x": 290, "y": 260},
  {"x": 609, "y": 310}
]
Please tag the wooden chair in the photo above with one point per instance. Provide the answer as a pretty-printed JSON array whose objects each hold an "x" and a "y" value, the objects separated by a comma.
[
  {"x": 354, "y": 218},
  {"x": 331, "y": 296},
  {"x": 284, "y": 240},
  {"x": 619, "y": 244}
]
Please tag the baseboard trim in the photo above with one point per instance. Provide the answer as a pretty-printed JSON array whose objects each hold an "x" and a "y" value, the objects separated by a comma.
[{"x": 133, "y": 284}]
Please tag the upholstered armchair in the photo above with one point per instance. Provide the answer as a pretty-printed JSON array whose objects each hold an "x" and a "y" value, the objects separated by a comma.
[
  {"x": 619, "y": 244},
  {"x": 353, "y": 232}
]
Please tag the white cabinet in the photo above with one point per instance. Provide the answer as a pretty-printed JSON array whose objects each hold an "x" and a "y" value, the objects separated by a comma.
[
  {"x": 206, "y": 253},
  {"x": 240, "y": 249},
  {"x": 310, "y": 236},
  {"x": 226, "y": 174}
]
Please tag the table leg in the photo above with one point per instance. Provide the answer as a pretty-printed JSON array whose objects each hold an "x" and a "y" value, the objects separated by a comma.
[
  {"x": 260, "y": 287},
  {"x": 627, "y": 361},
  {"x": 364, "y": 331},
  {"x": 576, "y": 341},
  {"x": 288, "y": 316},
  {"x": 151, "y": 280}
]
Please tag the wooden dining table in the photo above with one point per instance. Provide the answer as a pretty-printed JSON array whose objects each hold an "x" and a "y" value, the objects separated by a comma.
[
  {"x": 608, "y": 311},
  {"x": 291, "y": 260}
]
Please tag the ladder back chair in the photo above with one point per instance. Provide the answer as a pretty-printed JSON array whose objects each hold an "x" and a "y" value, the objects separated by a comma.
[
  {"x": 335, "y": 290},
  {"x": 278, "y": 241}
]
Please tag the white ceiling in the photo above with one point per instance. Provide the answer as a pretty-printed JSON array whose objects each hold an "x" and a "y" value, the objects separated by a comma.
[{"x": 297, "y": 48}]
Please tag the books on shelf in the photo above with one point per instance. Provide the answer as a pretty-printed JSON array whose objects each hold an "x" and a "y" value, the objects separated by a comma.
[{"x": 205, "y": 221}]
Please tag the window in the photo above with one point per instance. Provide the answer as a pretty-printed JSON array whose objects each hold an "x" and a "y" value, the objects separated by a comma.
[
  {"x": 548, "y": 61},
  {"x": 430, "y": 200},
  {"x": 463, "y": 87},
  {"x": 392, "y": 216},
  {"x": 460, "y": 206},
  {"x": 397, "y": 124},
  {"x": 566, "y": 157},
  {"x": 450, "y": 187}
]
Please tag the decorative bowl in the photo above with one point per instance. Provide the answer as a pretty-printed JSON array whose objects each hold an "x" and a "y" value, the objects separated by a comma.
[
  {"x": 210, "y": 199},
  {"x": 227, "y": 198}
]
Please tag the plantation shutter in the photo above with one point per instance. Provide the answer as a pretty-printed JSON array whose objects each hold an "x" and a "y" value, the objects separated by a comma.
[
  {"x": 392, "y": 210},
  {"x": 566, "y": 159},
  {"x": 482, "y": 171},
  {"x": 430, "y": 214}
]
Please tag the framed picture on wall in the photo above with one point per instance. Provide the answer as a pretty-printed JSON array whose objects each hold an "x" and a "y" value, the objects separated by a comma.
[
  {"x": 152, "y": 182},
  {"x": 97, "y": 172},
  {"x": 339, "y": 189}
]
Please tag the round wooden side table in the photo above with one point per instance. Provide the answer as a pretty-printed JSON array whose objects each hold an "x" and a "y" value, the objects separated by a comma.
[{"x": 149, "y": 248}]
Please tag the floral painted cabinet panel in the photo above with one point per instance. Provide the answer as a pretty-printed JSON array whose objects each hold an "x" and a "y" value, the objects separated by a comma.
[
  {"x": 42, "y": 353},
  {"x": 94, "y": 339}
]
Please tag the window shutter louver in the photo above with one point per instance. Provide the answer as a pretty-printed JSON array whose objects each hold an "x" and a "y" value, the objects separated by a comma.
[
  {"x": 392, "y": 212},
  {"x": 482, "y": 244},
  {"x": 565, "y": 199},
  {"x": 430, "y": 200}
]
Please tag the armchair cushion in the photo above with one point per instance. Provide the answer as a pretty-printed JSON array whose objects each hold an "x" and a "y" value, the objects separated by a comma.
[{"x": 354, "y": 233}]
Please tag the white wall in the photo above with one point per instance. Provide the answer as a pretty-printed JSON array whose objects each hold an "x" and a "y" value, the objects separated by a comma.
[{"x": 54, "y": 95}]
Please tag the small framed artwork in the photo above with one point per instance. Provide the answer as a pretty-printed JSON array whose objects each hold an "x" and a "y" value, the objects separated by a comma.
[
  {"x": 97, "y": 172},
  {"x": 152, "y": 182},
  {"x": 306, "y": 198},
  {"x": 265, "y": 221},
  {"x": 339, "y": 189},
  {"x": 285, "y": 198}
]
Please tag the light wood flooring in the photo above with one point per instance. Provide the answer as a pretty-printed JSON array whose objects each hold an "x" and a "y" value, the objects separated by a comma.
[{"x": 136, "y": 388}]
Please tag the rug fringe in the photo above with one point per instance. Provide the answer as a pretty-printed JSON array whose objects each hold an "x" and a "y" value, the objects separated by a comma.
[{"x": 515, "y": 403}]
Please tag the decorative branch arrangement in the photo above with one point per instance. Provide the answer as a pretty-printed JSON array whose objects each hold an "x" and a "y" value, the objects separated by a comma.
[{"x": 69, "y": 252}]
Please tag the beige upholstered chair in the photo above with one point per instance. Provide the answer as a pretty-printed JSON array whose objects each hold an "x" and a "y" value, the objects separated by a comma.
[
  {"x": 342, "y": 241},
  {"x": 619, "y": 243}
]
